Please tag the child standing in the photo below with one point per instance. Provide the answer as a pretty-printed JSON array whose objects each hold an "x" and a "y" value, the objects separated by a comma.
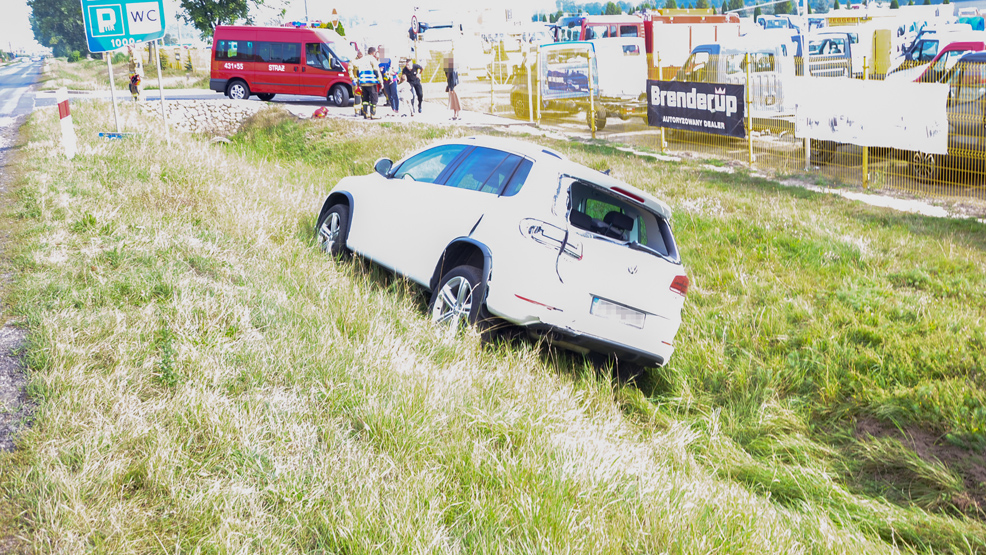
[{"x": 406, "y": 95}]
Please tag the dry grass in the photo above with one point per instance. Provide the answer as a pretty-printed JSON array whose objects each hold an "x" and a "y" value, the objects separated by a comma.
[{"x": 207, "y": 381}]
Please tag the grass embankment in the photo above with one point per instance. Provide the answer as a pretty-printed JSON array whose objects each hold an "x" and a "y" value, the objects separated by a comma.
[
  {"x": 92, "y": 75},
  {"x": 207, "y": 380}
]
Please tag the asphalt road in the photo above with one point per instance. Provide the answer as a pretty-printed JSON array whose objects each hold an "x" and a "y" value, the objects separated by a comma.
[{"x": 16, "y": 79}]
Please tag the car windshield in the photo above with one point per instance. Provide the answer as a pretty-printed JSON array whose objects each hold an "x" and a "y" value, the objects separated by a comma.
[{"x": 428, "y": 165}]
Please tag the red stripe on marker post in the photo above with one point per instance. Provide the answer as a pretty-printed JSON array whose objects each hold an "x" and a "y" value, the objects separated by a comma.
[{"x": 65, "y": 119}]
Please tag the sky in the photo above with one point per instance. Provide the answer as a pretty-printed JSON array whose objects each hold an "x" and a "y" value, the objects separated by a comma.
[{"x": 15, "y": 26}]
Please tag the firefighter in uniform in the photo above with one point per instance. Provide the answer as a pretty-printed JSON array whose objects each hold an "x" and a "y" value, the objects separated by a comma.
[
  {"x": 354, "y": 77},
  {"x": 369, "y": 78}
]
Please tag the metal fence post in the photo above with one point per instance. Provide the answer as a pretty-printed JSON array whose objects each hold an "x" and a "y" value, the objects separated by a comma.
[
  {"x": 592, "y": 105},
  {"x": 866, "y": 149},
  {"x": 749, "y": 114},
  {"x": 660, "y": 77}
]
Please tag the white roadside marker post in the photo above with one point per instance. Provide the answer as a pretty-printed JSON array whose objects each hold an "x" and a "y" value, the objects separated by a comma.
[{"x": 65, "y": 115}]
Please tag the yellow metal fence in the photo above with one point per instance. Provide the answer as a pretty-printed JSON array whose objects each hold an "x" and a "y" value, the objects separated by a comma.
[{"x": 771, "y": 146}]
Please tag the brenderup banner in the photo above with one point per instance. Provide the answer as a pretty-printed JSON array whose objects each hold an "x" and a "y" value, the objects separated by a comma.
[{"x": 706, "y": 107}]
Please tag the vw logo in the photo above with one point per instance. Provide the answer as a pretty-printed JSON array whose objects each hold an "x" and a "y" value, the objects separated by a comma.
[{"x": 632, "y": 270}]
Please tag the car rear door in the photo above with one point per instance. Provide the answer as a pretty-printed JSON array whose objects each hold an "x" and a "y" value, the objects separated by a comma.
[{"x": 628, "y": 261}]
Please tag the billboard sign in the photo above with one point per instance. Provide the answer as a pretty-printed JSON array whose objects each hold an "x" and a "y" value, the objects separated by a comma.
[
  {"x": 564, "y": 70},
  {"x": 706, "y": 107},
  {"x": 112, "y": 24}
]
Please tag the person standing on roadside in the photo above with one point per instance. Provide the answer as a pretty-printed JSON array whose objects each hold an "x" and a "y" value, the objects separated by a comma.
[
  {"x": 452, "y": 80},
  {"x": 369, "y": 78},
  {"x": 412, "y": 72},
  {"x": 354, "y": 77}
]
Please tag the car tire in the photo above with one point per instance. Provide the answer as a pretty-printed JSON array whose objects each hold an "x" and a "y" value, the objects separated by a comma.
[
  {"x": 332, "y": 230},
  {"x": 238, "y": 90},
  {"x": 459, "y": 300},
  {"x": 823, "y": 152},
  {"x": 339, "y": 96},
  {"x": 600, "y": 120},
  {"x": 519, "y": 104},
  {"x": 925, "y": 167},
  {"x": 266, "y": 97}
]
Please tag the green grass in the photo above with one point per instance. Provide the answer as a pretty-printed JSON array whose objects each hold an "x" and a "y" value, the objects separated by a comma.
[{"x": 208, "y": 381}]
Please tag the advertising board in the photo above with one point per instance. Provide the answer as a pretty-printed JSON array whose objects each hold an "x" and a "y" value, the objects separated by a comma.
[
  {"x": 564, "y": 70},
  {"x": 706, "y": 107}
]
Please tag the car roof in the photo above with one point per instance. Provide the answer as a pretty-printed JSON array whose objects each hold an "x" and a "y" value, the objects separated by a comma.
[
  {"x": 523, "y": 148},
  {"x": 565, "y": 166},
  {"x": 975, "y": 57}
]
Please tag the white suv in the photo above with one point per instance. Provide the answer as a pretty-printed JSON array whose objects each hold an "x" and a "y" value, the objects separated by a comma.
[{"x": 503, "y": 228}]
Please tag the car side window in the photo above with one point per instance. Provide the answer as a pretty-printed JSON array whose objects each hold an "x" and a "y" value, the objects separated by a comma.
[
  {"x": 317, "y": 56},
  {"x": 474, "y": 171},
  {"x": 501, "y": 174},
  {"x": 517, "y": 179},
  {"x": 969, "y": 84},
  {"x": 238, "y": 50},
  {"x": 428, "y": 165}
]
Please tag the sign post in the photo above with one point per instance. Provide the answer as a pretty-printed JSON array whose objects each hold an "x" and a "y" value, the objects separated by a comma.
[{"x": 113, "y": 24}]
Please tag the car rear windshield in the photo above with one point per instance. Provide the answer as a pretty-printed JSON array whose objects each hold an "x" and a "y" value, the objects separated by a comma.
[{"x": 599, "y": 211}]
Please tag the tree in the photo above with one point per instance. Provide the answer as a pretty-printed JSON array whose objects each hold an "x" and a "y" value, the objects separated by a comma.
[
  {"x": 836, "y": 6},
  {"x": 58, "y": 24},
  {"x": 670, "y": 5},
  {"x": 206, "y": 14},
  {"x": 757, "y": 12},
  {"x": 612, "y": 9},
  {"x": 894, "y": 5},
  {"x": 702, "y": 4},
  {"x": 736, "y": 4},
  {"x": 724, "y": 6},
  {"x": 927, "y": 3}
]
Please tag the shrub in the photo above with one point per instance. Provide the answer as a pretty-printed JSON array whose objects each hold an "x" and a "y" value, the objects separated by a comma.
[{"x": 74, "y": 56}]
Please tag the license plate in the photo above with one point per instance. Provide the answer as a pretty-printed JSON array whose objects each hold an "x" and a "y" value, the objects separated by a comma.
[{"x": 614, "y": 311}]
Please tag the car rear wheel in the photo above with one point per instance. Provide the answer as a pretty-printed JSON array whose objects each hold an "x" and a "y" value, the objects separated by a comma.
[
  {"x": 339, "y": 96},
  {"x": 333, "y": 229},
  {"x": 266, "y": 97},
  {"x": 924, "y": 166},
  {"x": 457, "y": 302},
  {"x": 823, "y": 152},
  {"x": 238, "y": 90}
]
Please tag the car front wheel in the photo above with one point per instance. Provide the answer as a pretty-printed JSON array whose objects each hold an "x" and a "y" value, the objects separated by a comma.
[
  {"x": 458, "y": 300},
  {"x": 520, "y": 107},
  {"x": 339, "y": 96},
  {"x": 333, "y": 229}
]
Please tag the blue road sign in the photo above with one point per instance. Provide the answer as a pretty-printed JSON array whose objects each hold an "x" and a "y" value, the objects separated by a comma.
[{"x": 111, "y": 24}]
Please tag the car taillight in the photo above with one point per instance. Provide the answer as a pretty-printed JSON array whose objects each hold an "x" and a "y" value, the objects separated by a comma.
[
  {"x": 627, "y": 194},
  {"x": 680, "y": 285}
]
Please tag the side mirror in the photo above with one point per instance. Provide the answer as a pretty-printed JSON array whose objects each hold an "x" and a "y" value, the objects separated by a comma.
[
  {"x": 383, "y": 166},
  {"x": 336, "y": 66}
]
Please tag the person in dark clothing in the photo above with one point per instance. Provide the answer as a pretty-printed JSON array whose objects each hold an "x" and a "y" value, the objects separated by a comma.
[
  {"x": 412, "y": 72},
  {"x": 452, "y": 80}
]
